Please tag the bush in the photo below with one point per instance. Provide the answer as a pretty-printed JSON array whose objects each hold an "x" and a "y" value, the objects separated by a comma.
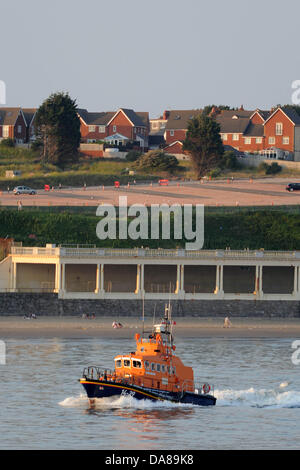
[
  {"x": 8, "y": 142},
  {"x": 157, "y": 160},
  {"x": 215, "y": 172},
  {"x": 133, "y": 155},
  {"x": 269, "y": 169},
  {"x": 229, "y": 161},
  {"x": 36, "y": 145},
  {"x": 273, "y": 169}
]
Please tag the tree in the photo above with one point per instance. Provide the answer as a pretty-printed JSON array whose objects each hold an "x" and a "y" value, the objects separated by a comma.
[
  {"x": 203, "y": 143},
  {"x": 221, "y": 107},
  {"x": 57, "y": 125}
]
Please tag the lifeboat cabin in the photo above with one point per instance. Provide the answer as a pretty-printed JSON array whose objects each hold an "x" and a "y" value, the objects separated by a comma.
[{"x": 153, "y": 364}]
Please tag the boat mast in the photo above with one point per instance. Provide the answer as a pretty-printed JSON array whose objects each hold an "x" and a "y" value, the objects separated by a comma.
[{"x": 143, "y": 312}]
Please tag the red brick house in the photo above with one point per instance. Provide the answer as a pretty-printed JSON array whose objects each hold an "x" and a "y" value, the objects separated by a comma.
[
  {"x": 242, "y": 130},
  {"x": 177, "y": 123},
  {"x": 115, "y": 127},
  {"x": 282, "y": 131},
  {"x": 29, "y": 114},
  {"x": 13, "y": 125},
  {"x": 93, "y": 125}
]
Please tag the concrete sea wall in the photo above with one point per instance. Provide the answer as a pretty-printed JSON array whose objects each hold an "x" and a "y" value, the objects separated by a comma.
[{"x": 49, "y": 304}]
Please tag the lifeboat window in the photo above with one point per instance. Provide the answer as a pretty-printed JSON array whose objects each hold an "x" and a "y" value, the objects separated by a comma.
[
  {"x": 147, "y": 365},
  {"x": 126, "y": 362},
  {"x": 158, "y": 367},
  {"x": 119, "y": 363},
  {"x": 163, "y": 368},
  {"x": 153, "y": 366},
  {"x": 136, "y": 363}
]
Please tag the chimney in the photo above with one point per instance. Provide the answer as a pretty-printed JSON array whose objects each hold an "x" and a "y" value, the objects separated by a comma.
[
  {"x": 241, "y": 108},
  {"x": 214, "y": 111},
  {"x": 166, "y": 115}
]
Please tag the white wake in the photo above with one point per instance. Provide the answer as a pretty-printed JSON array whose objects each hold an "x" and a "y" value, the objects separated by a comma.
[
  {"x": 120, "y": 402},
  {"x": 251, "y": 397}
]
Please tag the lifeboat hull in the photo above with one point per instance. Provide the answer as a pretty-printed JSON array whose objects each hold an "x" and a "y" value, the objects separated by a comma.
[{"x": 105, "y": 389}]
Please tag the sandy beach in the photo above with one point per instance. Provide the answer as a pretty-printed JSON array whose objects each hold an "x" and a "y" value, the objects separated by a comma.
[{"x": 76, "y": 327}]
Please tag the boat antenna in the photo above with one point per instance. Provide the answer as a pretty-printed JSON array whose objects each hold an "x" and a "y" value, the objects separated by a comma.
[
  {"x": 154, "y": 314},
  {"x": 143, "y": 311}
]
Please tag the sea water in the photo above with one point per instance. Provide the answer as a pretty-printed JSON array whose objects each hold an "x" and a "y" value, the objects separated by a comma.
[{"x": 43, "y": 406}]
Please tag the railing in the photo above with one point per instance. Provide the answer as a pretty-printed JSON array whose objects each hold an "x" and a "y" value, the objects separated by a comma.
[
  {"x": 96, "y": 373},
  {"x": 155, "y": 253},
  {"x": 197, "y": 387}
]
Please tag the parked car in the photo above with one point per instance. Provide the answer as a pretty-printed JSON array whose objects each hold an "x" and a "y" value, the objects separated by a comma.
[
  {"x": 293, "y": 187},
  {"x": 24, "y": 190}
]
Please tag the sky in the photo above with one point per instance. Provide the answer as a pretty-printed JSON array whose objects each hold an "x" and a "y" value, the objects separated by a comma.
[{"x": 150, "y": 55}]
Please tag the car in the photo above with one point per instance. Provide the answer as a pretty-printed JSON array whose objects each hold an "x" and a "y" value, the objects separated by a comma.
[
  {"x": 24, "y": 190},
  {"x": 293, "y": 187}
]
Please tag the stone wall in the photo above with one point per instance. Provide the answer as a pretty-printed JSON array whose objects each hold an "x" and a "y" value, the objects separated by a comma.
[{"x": 49, "y": 304}]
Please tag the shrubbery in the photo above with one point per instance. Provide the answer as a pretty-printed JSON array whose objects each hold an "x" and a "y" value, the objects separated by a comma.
[
  {"x": 270, "y": 169},
  {"x": 133, "y": 155},
  {"x": 235, "y": 228},
  {"x": 157, "y": 160},
  {"x": 7, "y": 142}
]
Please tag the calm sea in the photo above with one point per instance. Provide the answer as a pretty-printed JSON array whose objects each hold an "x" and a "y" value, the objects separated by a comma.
[{"x": 44, "y": 407}]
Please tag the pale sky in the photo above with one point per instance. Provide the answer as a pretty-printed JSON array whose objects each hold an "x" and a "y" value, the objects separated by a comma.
[{"x": 150, "y": 55}]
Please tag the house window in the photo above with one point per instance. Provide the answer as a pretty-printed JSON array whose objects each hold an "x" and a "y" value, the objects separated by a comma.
[
  {"x": 92, "y": 128},
  {"x": 271, "y": 140},
  {"x": 235, "y": 137},
  {"x": 101, "y": 129},
  {"x": 114, "y": 128},
  {"x": 258, "y": 140},
  {"x": 248, "y": 140},
  {"x": 279, "y": 128},
  {"x": 285, "y": 140},
  {"x": 224, "y": 136},
  {"x": 172, "y": 133},
  {"x": 5, "y": 131},
  {"x": 19, "y": 129}
]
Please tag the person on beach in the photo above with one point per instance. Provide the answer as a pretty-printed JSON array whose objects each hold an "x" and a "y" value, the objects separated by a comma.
[
  {"x": 227, "y": 323},
  {"x": 117, "y": 325}
]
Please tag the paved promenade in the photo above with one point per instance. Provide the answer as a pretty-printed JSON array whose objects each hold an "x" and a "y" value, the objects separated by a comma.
[{"x": 211, "y": 193}]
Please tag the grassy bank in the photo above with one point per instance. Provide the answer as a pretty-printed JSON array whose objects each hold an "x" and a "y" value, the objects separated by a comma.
[{"x": 237, "y": 228}]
